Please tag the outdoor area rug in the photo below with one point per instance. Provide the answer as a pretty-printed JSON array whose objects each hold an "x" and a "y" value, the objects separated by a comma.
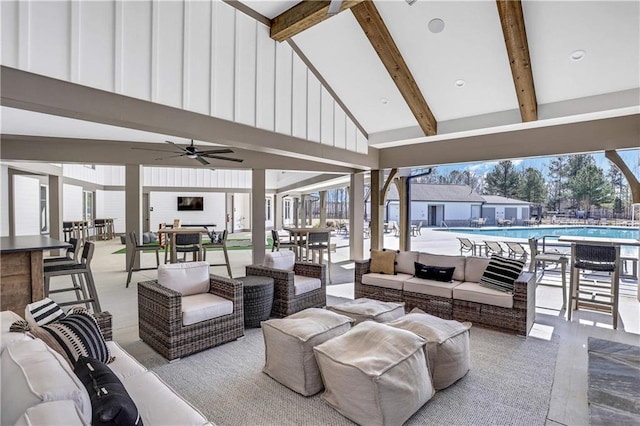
[
  {"x": 614, "y": 383},
  {"x": 509, "y": 383}
]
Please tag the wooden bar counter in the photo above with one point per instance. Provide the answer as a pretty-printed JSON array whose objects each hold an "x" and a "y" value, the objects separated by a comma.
[{"x": 21, "y": 270}]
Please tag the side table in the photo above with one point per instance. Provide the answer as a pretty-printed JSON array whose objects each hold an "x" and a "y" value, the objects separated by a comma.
[{"x": 258, "y": 299}]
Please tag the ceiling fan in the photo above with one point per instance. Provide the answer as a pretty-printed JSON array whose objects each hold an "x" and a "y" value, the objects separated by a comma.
[{"x": 191, "y": 151}]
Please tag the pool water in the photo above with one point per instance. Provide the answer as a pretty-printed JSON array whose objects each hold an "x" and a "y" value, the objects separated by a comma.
[{"x": 631, "y": 233}]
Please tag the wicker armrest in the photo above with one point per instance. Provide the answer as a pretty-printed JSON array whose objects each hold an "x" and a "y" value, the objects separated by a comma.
[
  {"x": 263, "y": 271},
  {"x": 361, "y": 268},
  {"x": 104, "y": 323},
  {"x": 228, "y": 288},
  {"x": 161, "y": 303},
  {"x": 313, "y": 270}
]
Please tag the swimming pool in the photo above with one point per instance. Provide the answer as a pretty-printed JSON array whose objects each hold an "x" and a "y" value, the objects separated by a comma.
[{"x": 540, "y": 231}]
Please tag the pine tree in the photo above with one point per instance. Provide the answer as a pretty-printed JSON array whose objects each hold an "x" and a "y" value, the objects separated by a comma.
[
  {"x": 502, "y": 180},
  {"x": 532, "y": 186}
]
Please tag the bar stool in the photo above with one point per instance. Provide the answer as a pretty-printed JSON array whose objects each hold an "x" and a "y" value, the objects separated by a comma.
[
  {"x": 70, "y": 257},
  {"x": 85, "y": 288},
  {"x": 595, "y": 294},
  {"x": 218, "y": 242},
  {"x": 188, "y": 243},
  {"x": 67, "y": 229},
  {"x": 137, "y": 247},
  {"x": 100, "y": 229},
  {"x": 318, "y": 242},
  {"x": 278, "y": 243}
]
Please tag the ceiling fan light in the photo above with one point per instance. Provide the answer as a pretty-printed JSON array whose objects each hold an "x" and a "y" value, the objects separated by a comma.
[{"x": 192, "y": 156}]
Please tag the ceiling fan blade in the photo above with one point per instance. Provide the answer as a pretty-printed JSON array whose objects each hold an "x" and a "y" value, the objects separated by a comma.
[
  {"x": 219, "y": 157},
  {"x": 178, "y": 146},
  {"x": 151, "y": 149},
  {"x": 171, "y": 156},
  {"x": 217, "y": 151},
  {"x": 202, "y": 160}
]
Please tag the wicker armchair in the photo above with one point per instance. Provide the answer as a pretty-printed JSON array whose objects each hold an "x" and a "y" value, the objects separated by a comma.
[
  {"x": 285, "y": 301},
  {"x": 161, "y": 319}
]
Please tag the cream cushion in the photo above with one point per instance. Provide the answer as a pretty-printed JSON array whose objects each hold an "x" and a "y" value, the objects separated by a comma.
[
  {"x": 62, "y": 412},
  {"x": 289, "y": 346},
  {"x": 474, "y": 292},
  {"x": 205, "y": 306},
  {"x": 405, "y": 262},
  {"x": 158, "y": 404},
  {"x": 430, "y": 287},
  {"x": 304, "y": 284},
  {"x": 285, "y": 260},
  {"x": 186, "y": 278},
  {"x": 395, "y": 282},
  {"x": 33, "y": 373},
  {"x": 364, "y": 309},
  {"x": 448, "y": 352},
  {"x": 6, "y": 338},
  {"x": 474, "y": 268},
  {"x": 445, "y": 260},
  {"x": 375, "y": 374},
  {"x": 123, "y": 365}
]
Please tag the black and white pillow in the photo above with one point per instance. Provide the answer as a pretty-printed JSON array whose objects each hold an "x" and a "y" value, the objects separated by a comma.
[
  {"x": 501, "y": 273},
  {"x": 43, "y": 312},
  {"x": 75, "y": 335},
  {"x": 110, "y": 401}
]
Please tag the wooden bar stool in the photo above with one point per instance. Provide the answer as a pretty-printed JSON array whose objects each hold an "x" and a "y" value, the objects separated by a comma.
[
  {"x": 137, "y": 248},
  {"x": 218, "y": 242}
]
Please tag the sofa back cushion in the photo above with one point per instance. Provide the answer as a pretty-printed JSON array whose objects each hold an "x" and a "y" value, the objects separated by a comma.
[
  {"x": 383, "y": 262},
  {"x": 474, "y": 268},
  {"x": 444, "y": 260},
  {"x": 405, "y": 261},
  {"x": 285, "y": 260},
  {"x": 186, "y": 278}
]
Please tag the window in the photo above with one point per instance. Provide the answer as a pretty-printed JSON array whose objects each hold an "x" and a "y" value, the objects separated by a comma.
[
  {"x": 267, "y": 209},
  {"x": 287, "y": 209},
  {"x": 87, "y": 202},
  {"x": 44, "y": 209}
]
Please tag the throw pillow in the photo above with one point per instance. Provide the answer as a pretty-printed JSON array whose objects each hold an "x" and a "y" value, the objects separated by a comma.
[
  {"x": 501, "y": 273},
  {"x": 110, "y": 401},
  {"x": 43, "y": 312},
  {"x": 75, "y": 335},
  {"x": 383, "y": 262},
  {"x": 436, "y": 273}
]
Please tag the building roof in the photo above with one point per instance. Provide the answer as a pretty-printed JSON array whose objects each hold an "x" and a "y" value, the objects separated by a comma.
[
  {"x": 497, "y": 199},
  {"x": 434, "y": 192}
]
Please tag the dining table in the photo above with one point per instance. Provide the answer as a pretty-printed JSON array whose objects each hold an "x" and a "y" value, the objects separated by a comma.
[
  {"x": 299, "y": 236},
  {"x": 171, "y": 234},
  {"x": 22, "y": 269}
]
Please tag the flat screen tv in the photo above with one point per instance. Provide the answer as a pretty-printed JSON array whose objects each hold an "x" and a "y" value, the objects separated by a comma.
[{"x": 190, "y": 203}]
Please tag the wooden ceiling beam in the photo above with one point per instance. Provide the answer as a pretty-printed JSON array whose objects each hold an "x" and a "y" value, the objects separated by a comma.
[
  {"x": 376, "y": 31},
  {"x": 515, "y": 38},
  {"x": 302, "y": 16}
]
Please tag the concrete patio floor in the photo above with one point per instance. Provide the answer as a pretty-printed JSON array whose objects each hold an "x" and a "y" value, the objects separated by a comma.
[{"x": 568, "y": 404}]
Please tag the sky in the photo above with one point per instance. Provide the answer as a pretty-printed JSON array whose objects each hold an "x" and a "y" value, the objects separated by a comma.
[{"x": 631, "y": 157}]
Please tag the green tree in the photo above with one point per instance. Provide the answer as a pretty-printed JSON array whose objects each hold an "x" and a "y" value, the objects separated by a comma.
[
  {"x": 578, "y": 162},
  {"x": 502, "y": 180},
  {"x": 558, "y": 183},
  {"x": 589, "y": 187},
  {"x": 532, "y": 186}
]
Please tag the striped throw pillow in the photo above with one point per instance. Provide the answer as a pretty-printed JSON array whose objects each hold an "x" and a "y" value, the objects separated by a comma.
[
  {"x": 75, "y": 335},
  {"x": 43, "y": 312},
  {"x": 501, "y": 273}
]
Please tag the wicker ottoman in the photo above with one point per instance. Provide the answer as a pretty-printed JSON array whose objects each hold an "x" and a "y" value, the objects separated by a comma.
[
  {"x": 258, "y": 299},
  {"x": 364, "y": 309}
]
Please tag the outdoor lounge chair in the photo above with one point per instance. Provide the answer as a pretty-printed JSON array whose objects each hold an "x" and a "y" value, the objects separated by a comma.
[
  {"x": 516, "y": 250},
  {"x": 468, "y": 246},
  {"x": 493, "y": 247}
]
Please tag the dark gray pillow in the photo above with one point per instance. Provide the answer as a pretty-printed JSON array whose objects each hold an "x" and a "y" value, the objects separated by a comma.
[{"x": 436, "y": 273}]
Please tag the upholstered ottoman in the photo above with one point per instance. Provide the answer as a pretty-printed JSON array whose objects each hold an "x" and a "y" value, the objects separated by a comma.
[
  {"x": 447, "y": 345},
  {"x": 364, "y": 309},
  {"x": 375, "y": 374},
  {"x": 289, "y": 346}
]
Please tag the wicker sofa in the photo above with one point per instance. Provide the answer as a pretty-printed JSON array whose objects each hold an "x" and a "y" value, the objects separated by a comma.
[
  {"x": 463, "y": 299},
  {"x": 39, "y": 386}
]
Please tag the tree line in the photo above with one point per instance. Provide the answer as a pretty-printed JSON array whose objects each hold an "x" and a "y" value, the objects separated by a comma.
[{"x": 568, "y": 183}]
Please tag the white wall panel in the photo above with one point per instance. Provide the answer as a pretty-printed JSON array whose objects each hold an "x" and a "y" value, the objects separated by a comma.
[
  {"x": 196, "y": 178},
  {"x": 169, "y": 60},
  {"x": 361, "y": 143},
  {"x": 265, "y": 79},
  {"x": 351, "y": 135},
  {"x": 299, "y": 98},
  {"x": 245, "y": 108},
  {"x": 314, "y": 93},
  {"x": 4, "y": 201},
  {"x": 223, "y": 60},
  {"x": 71, "y": 202},
  {"x": 111, "y": 204},
  {"x": 284, "y": 58},
  {"x": 9, "y": 33},
  {"x": 165, "y": 208},
  {"x": 339, "y": 118},
  {"x": 26, "y": 193},
  {"x": 198, "y": 63},
  {"x": 96, "y": 40},
  {"x": 326, "y": 118},
  {"x": 135, "y": 49},
  {"x": 49, "y": 39}
]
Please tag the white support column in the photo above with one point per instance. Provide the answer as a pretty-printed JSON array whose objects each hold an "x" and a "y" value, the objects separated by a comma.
[
  {"x": 258, "y": 214},
  {"x": 356, "y": 217},
  {"x": 278, "y": 212},
  {"x": 228, "y": 224},
  {"x": 323, "y": 209},
  {"x": 296, "y": 212},
  {"x": 133, "y": 206},
  {"x": 303, "y": 210},
  {"x": 55, "y": 209}
]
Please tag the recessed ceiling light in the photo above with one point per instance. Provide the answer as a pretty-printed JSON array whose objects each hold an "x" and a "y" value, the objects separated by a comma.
[
  {"x": 460, "y": 83},
  {"x": 436, "y": 25},
  {"x": 577, "y": 55},
  {"x": 384, "y": 101}
]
